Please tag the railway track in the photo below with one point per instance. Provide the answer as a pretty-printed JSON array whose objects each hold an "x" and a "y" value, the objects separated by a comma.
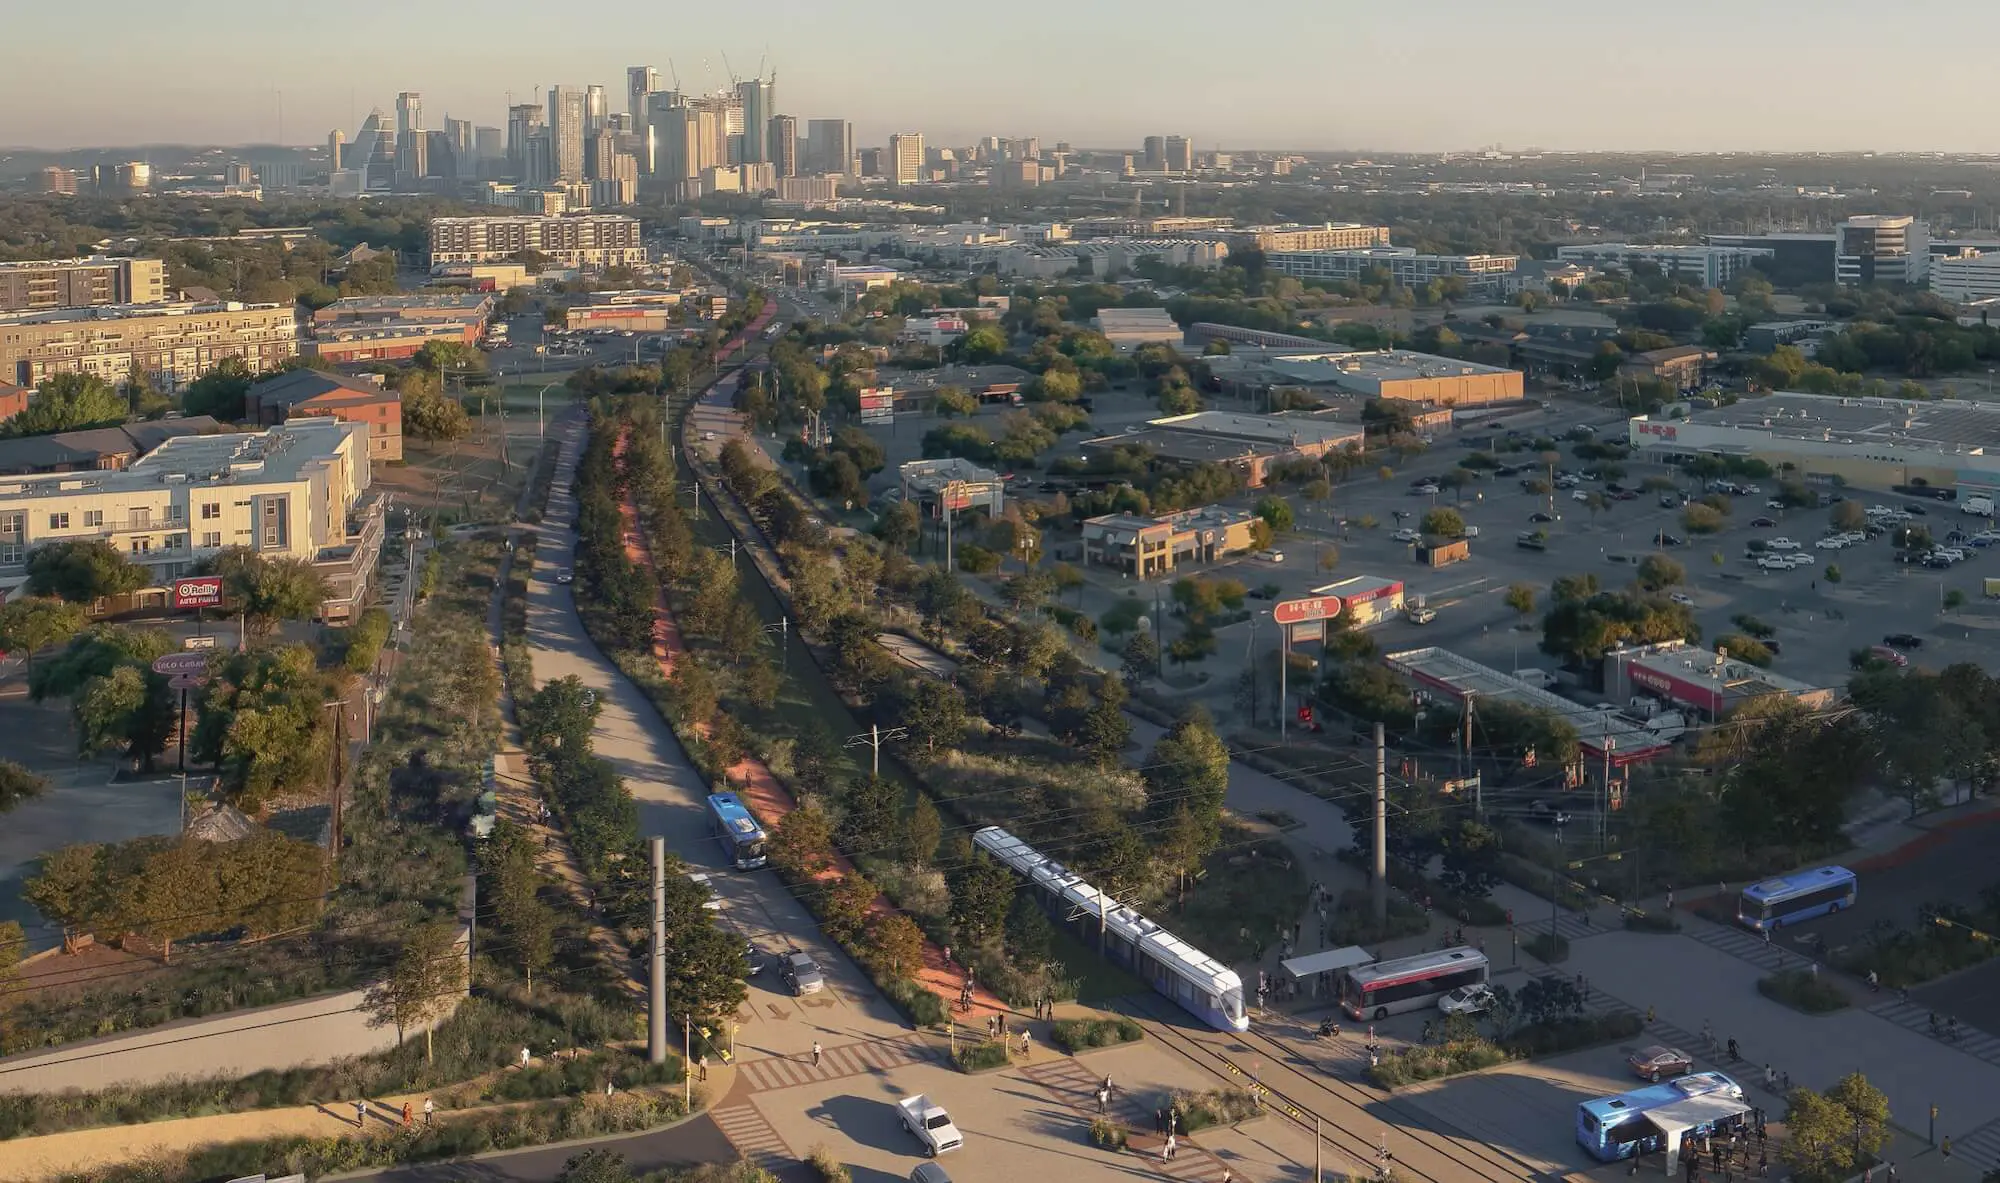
[{"x": 1355, "y": 1121}]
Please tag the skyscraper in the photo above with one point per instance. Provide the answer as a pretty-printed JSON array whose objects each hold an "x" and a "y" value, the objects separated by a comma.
[
  {"x": 336, "y": 146},
  {"x": 906, "y": 158},
  {"x": 1179, "y": 152},
  {"x": 782, "y": 140},
  {"x": 1156, "y": 154},
  {"x": 755, "y": 96},
  {"x": 489, "y": 143},
  {"x": 568, "y": 119},
  {"x": 830, "y": 146},
  {"x": 595, "y": 110},
  {"x": 523, "y": 121},
  {"x": 409, "y": 114},
  {"x": 640, "y": 81},
  {"x": 374, "y": 152}
]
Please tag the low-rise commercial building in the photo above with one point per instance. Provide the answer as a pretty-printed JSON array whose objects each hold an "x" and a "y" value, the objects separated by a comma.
[
  {"x": 1709, "y": 266},
  {"x": 1706, "y": 682},
  {"x": 485, "y": 277},
  {"x": 1484, "y": 276},
  {"x": 1766, "y": 336},
  {"x": 354, "y": 342},
  {"x": 1870, "y": 443},
  {"x": 1250, "y": 444},
  {"x": 1365, "y": 601},
  {"x": 1881, "y": 248},
  {"x": 45, "y": 284},
  {"x": 171, "y": 344},
  {"x": 589, "y": 241},
  {"x": 1150, "y": 547},
  {"x": 1106, "y": 258},
  {"x": 1967, "y": 276},
  {"x": 1684, "y": 367},
  {"x": 301, "y": 394},
  {"x": 1129, "y": 328},
  {"x": 296, "y": 491},
  {"x": 1405, "y": 376},
  {"x": 13, "y": 400},
  {"x": 457, "y": 307},
  {"x": 954, "y": 483},
  {"x": 933, "y": 330},
  {"x": 1606, "y": 737}
]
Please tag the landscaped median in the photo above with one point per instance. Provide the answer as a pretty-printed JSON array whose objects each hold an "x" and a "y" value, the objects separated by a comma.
[
  {"x": 1082, "y": 1035},
  {"x": 1545, "y": 1017},
  {"x": 1803, "y": 990}
]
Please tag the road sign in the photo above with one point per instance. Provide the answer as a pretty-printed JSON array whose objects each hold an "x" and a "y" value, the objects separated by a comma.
[
  {"x": 181, "y": 663},
  {"x": 202, "y": 592},
  {"x": 187, "y": 681},
  {"x": 1307, "y": 610},
  {"x": 204, "y": 642}
]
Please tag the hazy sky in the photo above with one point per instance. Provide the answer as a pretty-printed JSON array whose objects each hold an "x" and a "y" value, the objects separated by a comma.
[{"x": 1406, "y": 74}]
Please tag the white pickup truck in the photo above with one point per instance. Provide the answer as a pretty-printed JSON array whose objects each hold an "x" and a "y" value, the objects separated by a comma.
[{"x": 930, "y": 1124}]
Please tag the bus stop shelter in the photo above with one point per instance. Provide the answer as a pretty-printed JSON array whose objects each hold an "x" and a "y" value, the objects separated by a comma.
[
  {"x": 1704, "y": 1113},
  {"x": 1313, "y": 970}
]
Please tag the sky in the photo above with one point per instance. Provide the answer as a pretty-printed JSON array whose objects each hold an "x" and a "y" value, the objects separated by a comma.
[{"x": 1409, "y": 75}]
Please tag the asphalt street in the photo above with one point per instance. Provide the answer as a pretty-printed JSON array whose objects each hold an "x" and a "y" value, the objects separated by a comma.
[{"x": 696, "y": 1140}]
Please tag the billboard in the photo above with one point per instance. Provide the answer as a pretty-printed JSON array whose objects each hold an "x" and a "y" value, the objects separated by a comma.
[
  {"x": 185, "y": 662},
  {"x": 1306, "y": 610},
  {"x": 202, "y": 592},
  {"x": 878, "y": 405}
]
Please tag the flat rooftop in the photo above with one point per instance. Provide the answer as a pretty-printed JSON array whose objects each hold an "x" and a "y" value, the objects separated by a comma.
[
  {"x": 939, "y": 471},
  {"x": 1386, "y": 365},
  {"x": 1136, "y": 318},
  {"x": 1287, "y": 430},
  {"x": 466, "y": 300},
  {"x": 130, "y": 312},
  {"x": 1458, "y": 676},
  {"x": 1736, "y": 679},
  {"x": 274, "y": 456},
  {"x": 1177, "y": 445},
  {"x": 1949, "y": 425}
]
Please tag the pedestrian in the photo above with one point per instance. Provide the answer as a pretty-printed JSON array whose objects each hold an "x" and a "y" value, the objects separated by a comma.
[
  {"x": 361, "y": 1115},
  {"x": 1770, "y": 1077},
  {"x": 406, "y": 1115},
  {"x": 1785, "y": 1083},
  {"x": 947, "y": 955},
  {"x": 1027, "y": 1044},
  {"x": 701, "y": 1066},
  {"x": 1868, "y": 1175},
  {"x": 1760, "y": 1137},
  {"x": 1228, "y": 1176},
  {"x": 1296, "y": 928},
  {"x": 430, "y": 1112},
  {"x": 1159, "y": 1121},
  {"x": 1944, "y": 1147},
  {"x": 1767, "y": 938},
  {"x": 1670, "y": 899},
  {"x": 1103, "y": 1100},
  {"x": 1649, "y": 1016},
  {"x": 1813, "y": 969},
  {"x": 1874, "y": 983},
  {"x": 816, "y": 1052},
  {"x": 1107, "y": 1083},
  {"x": 1003, "y": 1024},
  {"x": 524, "y": 1059},
  {"x": 1708, "y": 1034},
  {"x": 1893, "y": 1176},
  {"x": 991, "y": 1026},
  {"x": 1168, "y": 1152}
]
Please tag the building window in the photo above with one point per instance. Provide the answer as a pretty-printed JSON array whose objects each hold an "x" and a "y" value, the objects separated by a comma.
[
  {"x": 58, "y": 521},
  {"x": 212, "y": 540},
  {"x": 139, "y": 517},
  {"x": 211, "y": 510},
  {"x": 176, "y": 512},
  {"x": 93, "y": 519},
  {"x": 177, "y": 541},
  {"x": 10, "y": 552},
  {"x": 142, "y": 546}
]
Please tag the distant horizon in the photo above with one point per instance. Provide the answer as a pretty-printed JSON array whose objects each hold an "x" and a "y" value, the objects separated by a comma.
[{"x": 1778, "y": 77}]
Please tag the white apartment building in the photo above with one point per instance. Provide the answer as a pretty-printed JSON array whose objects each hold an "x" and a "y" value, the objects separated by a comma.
[
  {"x": 295, "y": 491},
  {"x": 1485, "y": 276},
  {"x": 1880, "y": 248},
  {"x": 584, "y": 240},
  {"x": 1965, "y": 277},
  {"x": 1709, "y": 266}
]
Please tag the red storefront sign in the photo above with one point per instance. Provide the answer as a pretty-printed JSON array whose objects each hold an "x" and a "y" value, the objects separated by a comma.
[
  {"x": 1696, "y": 694},
  {"x": 1306, "y": 610}
]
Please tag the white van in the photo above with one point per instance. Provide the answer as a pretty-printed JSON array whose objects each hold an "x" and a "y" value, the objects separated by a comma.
[
  {"x": 1981, "y": 506},
  {"x": 1271, "y": 556}
]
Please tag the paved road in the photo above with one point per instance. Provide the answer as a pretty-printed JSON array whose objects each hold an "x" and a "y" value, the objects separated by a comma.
[{"x": 695, "y": 1141}]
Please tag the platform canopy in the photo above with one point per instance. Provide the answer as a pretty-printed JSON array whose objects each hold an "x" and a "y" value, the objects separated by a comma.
[{"x": 1326, "y": 961}]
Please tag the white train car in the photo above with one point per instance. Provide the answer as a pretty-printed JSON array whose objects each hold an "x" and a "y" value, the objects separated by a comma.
[{"x": 1194, "y": 981}]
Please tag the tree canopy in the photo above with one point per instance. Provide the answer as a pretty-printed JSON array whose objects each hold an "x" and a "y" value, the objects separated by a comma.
[
  {"x": 69, "y": 402},
  {"x": 82, "y": 570},
  {"x": 266, "y": 590}
]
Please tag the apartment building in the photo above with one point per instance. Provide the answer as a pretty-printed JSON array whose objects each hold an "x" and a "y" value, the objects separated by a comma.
[
  {"x": 47, "y": 284},
  {"x": 1485, "y": 276},
  {"x": 97, "y": 449},
  {"x": 1967, "y": 276},
  {"x": 583, "y": 240},
  {"x": 297, "y": 491},
  {"x": 1709, "y": 266},
  {"x": 169, "y": 343},
  {"x": 301, "y": 394},
  {"x": 1329, "y": 236}
]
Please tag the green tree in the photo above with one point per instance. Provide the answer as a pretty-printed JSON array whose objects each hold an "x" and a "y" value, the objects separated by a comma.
[
  {"x": 265, "y": 591},
  {"x": 13, "y": 947},
  {"x": 1521, "y": 598},
  {"x": 17, "y": 784},
  {"x": 82, "y": 571},
  {"x": 439, "y": 356},
  {"x": 595, "y": 1166},
  {"x": 33, "y": 623},
  {"x": 219, "y": 391},
  {"x": 1471, "y": 862},
  {"x": 934, "y": 712},
  {"x": 424, "y": 983},
  {"x": 560, "y": 717},
  {"x": 895, "y": 942},
  {"x": 900, "y": 526},
  {"x": 1701, "y": 519},
  {"x": 1444, "y": 522},
  {"x": 429, "y": 415},
  {"x": 871, "y": 807},
  {"x": 954, "y": 401},
  {"x": 119, "y": 702},
  {"x": 802, "y": 842},
  {"x": 982, "y": 343},
  {"x": 1189, "y": 764},
  {"x": 923, "y": 829},
  {"x": 844, "y": 904},
  {"x": 1276, "y": 512},
  {"x": 68, "y": 402},
  {"x": 1744, "y": 649},
  {"x": 1106, "y": 729},
  {"x": 1658, "y": 572},
  {"x": 72, "y": 889},
  {"x": 980, "y": 892},
  {"x": 264, "y": 724},
  {"x": 1848, "y": 515},
  {"x": 1140, "y": 657}
]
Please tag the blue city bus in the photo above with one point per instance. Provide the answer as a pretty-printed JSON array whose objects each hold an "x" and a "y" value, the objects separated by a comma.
[
  {"x": 1789, "y": 899},
  {"x": 1639, "y": 1122},
  {"x": 741, "y": 837}
]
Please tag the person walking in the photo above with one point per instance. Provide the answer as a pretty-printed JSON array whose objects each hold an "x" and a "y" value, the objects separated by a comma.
[
  {"x": 1944, "y": 1147},
  {"x": 1167, "y": 1153},
  {"x": 1103, "y": 1101},
  {"x": 361, "y": 1114},
  {"x": 1770, "y": 1077},
  {"x": 430, "y": 1112},
  {"x": 701, "y": 1067},
  {"x": 407, "y": 1115},
  {"x": 524, "y": 1059},
  {"x": 816, "y": 1053},
  {"x": 1027, "y": 1044},
  {"x": 1159, "y": 1121},
  {"x": 1893, "y": 1177},
  {"x": 992, "y": 1026}
]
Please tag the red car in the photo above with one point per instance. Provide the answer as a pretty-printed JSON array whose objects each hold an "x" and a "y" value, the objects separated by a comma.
[{"x": 1658, "y": 1061}]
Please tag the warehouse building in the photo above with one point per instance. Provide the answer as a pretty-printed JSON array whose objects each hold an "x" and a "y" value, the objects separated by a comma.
[
  {"x": 1251, "y": 444},
  {"x": 1403, "y": 375},
  {"x": 1872, "y": 443}
]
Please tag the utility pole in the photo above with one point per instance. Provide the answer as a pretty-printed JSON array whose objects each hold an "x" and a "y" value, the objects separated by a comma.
[
  {"x": 874, "y": 739},
  {"x": 1380, "y": 883},
  {"x": 1316, "y": 1175},
  {"x": 687, "y": 1058},
  {"x": 1604, "y": 805},
  {"x": 1465, "y": 746},
  {"x": 656, "y": 1014}
]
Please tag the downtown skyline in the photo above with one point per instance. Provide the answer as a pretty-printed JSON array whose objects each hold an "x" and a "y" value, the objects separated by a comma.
[{"x": 1273, "y": 76}]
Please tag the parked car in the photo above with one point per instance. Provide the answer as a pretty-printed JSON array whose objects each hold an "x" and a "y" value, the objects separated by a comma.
[
  {"x": 1682, "y": 598},
  {"x": 1658, "y": 1061},
  {"x": 1547, "y": 812},
  {"x": 1666, "y": 539},
  {"x": 1903, "y": 641},
  {"x": 1835, "y": 543},
  {"x": 1579, "y": 495},
  {"x": 801, "y": 973},
  {"x": 1782, "y": 544},
  {"x": 1774, "y": 503},
  {"x": 1539, "y": 516},
  {"x": 1669, "y": 501},
  {"x": 1406, "y": 535},
  {"x": 1762, "y": 523},
  {"x": 1475, "y": 999}
]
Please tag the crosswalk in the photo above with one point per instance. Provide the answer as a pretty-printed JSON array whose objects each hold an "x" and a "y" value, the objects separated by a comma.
[
  {"x": 1075, "y": 1086},
  {"x": 851, "y": 1059},
  {"x": 753, "y": 1136},
  {"x": 1981, "y": 1147},
  {"x": 1569, "y": 926},
  {"x": 1745, "y": 946},
  {"x": 1915, "y": 1017}
]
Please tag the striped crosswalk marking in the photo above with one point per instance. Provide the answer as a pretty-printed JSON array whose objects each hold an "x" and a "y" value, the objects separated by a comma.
[
  {"x": 752, "y": 1136},
  {"x": 1981, "y": 1147},
  {"x": 1971, "y": 1040},
  {"x": 851, "y": 1059},
  {"x": 1075, "y": 1087}
]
